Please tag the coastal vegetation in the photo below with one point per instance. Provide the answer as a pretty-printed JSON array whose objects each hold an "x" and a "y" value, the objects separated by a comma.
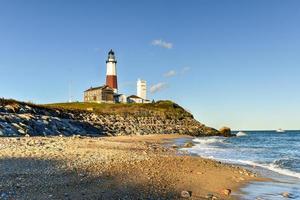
[{"x": 166, "y": 108}]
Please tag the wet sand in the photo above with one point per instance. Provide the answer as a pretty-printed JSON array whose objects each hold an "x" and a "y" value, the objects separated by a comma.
[{"x": 124, "y": 167}]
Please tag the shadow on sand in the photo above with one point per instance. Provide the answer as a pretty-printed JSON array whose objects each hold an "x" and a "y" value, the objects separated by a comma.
[{"x": 28, "y": 178}]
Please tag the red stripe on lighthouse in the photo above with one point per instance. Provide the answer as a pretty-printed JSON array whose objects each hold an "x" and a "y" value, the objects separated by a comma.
[{"x": 111, "y": 81}]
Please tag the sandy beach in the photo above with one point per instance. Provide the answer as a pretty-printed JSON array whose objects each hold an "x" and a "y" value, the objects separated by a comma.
[{"x": 123, "y": 167}]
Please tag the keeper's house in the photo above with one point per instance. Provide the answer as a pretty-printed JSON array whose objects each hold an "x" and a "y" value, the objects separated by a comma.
[{"x": 103, "y": 94}]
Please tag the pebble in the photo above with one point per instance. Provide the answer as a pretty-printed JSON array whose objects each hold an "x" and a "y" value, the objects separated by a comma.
[
  {"x": 211, "y": 197},
  {"x": 186, "y": 194},
  {"x": 226, "y": 192}
]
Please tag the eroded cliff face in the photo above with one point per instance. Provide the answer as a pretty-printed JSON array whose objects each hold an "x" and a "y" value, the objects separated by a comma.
[{"x": 20, "y": 119}]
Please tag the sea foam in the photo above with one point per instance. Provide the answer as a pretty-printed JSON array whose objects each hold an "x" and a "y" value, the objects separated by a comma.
[
  {"x": 240, "y": 133},
  {"x": 273, "y": 167},
  {"x": 209, "y": 140}
]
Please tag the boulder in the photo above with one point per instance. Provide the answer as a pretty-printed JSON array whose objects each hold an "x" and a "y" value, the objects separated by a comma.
[
  {"x": 286, "y": 195},
  {"x": 188, "y": 145},
  {"x": 225, "y": 131},
  {"x": 11, "y": 107},
  {"x": 25, "y": 116},
  {"x": 21, "y": 131}
]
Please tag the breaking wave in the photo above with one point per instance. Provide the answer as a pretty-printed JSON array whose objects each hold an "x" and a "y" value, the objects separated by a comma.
[
  {"x": 271, "y": 151},
  {"x": 209, "y": 140},
  {"x": 272, "y": 166},
  {"x": 240, "y": 133}
]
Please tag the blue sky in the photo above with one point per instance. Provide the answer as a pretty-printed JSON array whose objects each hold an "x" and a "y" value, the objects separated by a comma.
[{"x": 233, "y": 63}]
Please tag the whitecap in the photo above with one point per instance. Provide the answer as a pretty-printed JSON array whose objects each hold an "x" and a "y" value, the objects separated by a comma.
[
  {"x": 241, "y": 133},
  {"x": 209, "y": 140}
]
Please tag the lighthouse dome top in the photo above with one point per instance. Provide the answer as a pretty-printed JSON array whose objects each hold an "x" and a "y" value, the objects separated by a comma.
[
  {"x": 111, "y": 55},
  {"x": 111, "y": 52}
]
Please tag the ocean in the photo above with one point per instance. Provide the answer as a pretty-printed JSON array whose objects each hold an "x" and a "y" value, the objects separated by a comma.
[{"x": 275, "y": 155}]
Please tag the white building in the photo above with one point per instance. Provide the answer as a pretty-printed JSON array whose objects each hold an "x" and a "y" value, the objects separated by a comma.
[
  {"x": 142, "y": 89},
  {"x": 120, "y": 98},
  {"x": 134, "y": 99}
]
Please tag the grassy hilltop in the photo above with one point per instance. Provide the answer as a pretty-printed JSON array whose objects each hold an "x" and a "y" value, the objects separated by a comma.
[{"x": 163, "y": 108}]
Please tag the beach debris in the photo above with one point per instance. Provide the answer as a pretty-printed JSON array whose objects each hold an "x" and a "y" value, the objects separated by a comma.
[
  {"x": 286, "y": 195},
  {"x": 174, "y": 146},
  {"x": 226, "y": 192},
  {"x": 186, "y": 194}
]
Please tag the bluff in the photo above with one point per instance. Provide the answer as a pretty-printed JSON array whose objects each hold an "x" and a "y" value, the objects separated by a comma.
[{"x": 91, "y": 119}]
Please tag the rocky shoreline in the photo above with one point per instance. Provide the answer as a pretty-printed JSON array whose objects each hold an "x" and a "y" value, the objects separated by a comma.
[{"x": 23, "y": 119}]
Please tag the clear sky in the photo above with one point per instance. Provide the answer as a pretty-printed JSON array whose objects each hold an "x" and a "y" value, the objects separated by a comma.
[{"x": 230, "y": 62}]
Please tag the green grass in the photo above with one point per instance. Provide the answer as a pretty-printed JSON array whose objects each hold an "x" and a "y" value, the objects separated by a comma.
[
  {"x": 160, "y": 107},
  {"x": 4, "y": 102}
]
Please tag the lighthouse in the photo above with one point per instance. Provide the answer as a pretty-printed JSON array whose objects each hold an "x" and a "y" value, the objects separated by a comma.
[
  {"x": 111, "y": 71},
  {"x": 142, "y": 89}
]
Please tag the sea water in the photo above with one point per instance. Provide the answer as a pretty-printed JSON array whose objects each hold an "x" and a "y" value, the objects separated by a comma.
[{"x": 273, "y": 154}]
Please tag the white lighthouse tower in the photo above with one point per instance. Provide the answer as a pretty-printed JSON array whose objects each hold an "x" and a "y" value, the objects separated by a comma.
[
  {"x": 111, "y": 71},
  {"x": 142, "y": 89}
]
